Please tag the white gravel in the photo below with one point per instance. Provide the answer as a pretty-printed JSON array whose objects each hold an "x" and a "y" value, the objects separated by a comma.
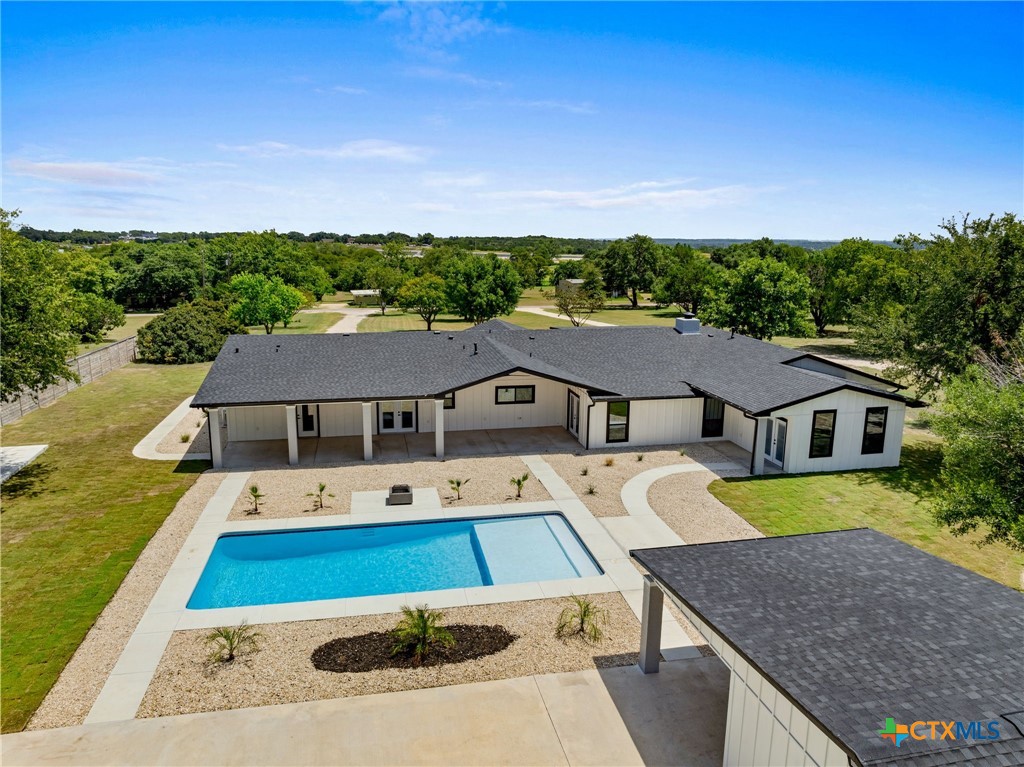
[
  {"x": 684, "y": 503},
  {"x": 194, "y": 425}
]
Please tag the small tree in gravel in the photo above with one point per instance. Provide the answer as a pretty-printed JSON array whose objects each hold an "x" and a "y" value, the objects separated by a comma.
[
  {"x": 229, "y": 641},
  {"x": 582, "y": 618},
  {"x": 457, "y": 485},
  {"x": 519, "y": 482},
  {"x": 419, "y": 630},
  {"x": 255, "y": 496},
  {"x": 319, "y": 504}
]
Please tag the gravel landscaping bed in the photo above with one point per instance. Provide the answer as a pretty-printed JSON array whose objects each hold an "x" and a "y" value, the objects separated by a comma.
[
  {"x": 194, "y": 425},
  {"x": 70, "y": 699},
  {"x": 607, "y": 481},
  {"x": 684, "y": 503},
  {"x": 282, "y": 672},
  {"x": 287, "y": 490}
]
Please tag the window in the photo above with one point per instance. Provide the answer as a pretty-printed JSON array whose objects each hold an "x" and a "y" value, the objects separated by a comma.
[
  {"x": 514, "y": 395},
  {"x": 714, "y": 418},
  {"x": 874, "y": 430},
  {"x": 449, "y": 401},
  {"x": 823, "y": 433},
  {"x": 618, "y": 421}
]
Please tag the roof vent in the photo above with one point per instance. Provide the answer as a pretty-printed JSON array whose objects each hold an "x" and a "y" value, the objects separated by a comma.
[
  {"x": 688, "y": 324},
  {"x": 474, "y": 349}
]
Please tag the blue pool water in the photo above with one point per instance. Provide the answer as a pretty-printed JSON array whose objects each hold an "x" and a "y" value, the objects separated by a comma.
[{"x": 357, "y": 561}]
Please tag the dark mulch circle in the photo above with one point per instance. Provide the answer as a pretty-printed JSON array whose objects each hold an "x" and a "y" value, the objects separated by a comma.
[{"x": 368, "y": 652}]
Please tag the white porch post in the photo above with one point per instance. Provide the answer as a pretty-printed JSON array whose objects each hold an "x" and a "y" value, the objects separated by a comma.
[
  {"x": 216, "y": 449},
  {"x": 757, "y": 451},
  {"x": 439, "y": 428},
  {"x": 650, "y": 627},
  {"x": 293, "y": 434},
  {"x": 367, "y": 431}
]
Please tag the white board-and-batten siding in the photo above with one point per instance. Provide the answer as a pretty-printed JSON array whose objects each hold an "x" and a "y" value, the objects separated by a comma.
[{"x": 669, "y": 422}]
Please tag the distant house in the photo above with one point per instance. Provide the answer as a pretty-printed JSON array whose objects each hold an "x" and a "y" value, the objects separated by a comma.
[
  {"x": 617, "y": 386},
  {"x": 568, "y": 284},
  {"x": 367, "y": 297}
]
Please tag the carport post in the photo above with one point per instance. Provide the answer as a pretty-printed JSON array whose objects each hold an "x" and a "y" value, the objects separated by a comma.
[
  {"x": 216, "y": 450},
  {"x": 439, "y": 428},
  {"x": 293, "y": 434},
  {"x": 650, "y": 627},
  {"x": 757, "y": 451},
  {"x": 367, "y": 431}
]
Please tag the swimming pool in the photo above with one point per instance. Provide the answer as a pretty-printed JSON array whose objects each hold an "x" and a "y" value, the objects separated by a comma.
[{"x": 365, "y": 560}]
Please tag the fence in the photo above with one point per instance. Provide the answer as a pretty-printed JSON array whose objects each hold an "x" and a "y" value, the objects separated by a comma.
[{"x": 88, "y": 366}]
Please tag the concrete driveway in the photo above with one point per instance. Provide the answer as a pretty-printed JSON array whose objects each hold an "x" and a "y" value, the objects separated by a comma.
[{"x": 609, "y": 717}]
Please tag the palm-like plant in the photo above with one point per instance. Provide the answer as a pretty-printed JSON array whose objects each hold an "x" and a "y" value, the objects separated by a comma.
[
  {"x": 318, "y": 504},
  {"x": 229, "y": 641},
  {"x": 255, "y": 496},
  {"x": 419, "y": 630},
  {"x": 582, "y": 618},
  {"x": 457, "y": 485},
  {"x": 519, "y": 482}
]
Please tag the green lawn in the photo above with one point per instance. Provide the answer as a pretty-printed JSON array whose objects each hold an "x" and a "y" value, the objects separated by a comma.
[
  {"x": 892, "y": 501},
  {"x": 304, "y": 323},
  {"x": 76, "y": 519},
  {"x": 132, "y": 323},
  {"x": 395, "y": 320},
  {"x": 643, "y": 315}
]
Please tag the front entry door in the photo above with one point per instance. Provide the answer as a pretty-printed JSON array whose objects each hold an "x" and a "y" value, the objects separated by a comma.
[
  {"x": 775, "y": 441},
  {"x": 397, "y": 416},
  {"x": 573, "y": 419},
  {"x": 307, "y": 416}
]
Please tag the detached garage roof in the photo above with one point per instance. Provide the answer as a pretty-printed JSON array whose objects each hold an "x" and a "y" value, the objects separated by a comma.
[
  {"x": 611, "y": 363},
  {"x": 854, "y": 627}
]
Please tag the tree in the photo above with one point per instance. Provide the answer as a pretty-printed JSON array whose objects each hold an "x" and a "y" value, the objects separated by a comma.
[
  {"x": 36, "y": 315},
  {"x": 480, "y": 288},
  {"x": 761, "y": 298},
  {"x": 834, "y": 285},
  {"x": 94, "y": 316},
  {"x": 982, "y": 422},
  {"x": 187, "y": 333},
  {"x": 387, "y": 281},
  {"x": 261, "y": 300},
  {"x": 425, "y": 296},
  {"x": 687, "y": 282},
  {"x": 629, "y": 265},
  {"x": 578, "y": 302}
]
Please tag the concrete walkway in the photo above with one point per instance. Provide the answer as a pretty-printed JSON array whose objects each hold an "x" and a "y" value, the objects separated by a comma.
[
  {"x": 146, "y": 448},
  {"x": 555, "y": 316},
  {"x": 614, "y": 716}
]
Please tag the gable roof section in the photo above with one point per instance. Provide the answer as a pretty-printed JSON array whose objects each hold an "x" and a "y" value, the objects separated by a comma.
[
  {"x": 854, "y": 626},
  {"x": 611, "y": 363}
]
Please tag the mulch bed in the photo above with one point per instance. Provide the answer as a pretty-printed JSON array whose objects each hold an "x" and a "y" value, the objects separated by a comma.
[{"x": 369, "y": 652}]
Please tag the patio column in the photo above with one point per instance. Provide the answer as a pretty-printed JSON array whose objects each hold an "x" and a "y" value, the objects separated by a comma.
[
  {"x": 650, "y": 627},
  {"x": 216, "y": 449},
  {"x": 367, "y": 431},
  {"x": 757, "y": 450},
  {"x": 439, "y": 428},
  {"x": 293, "y": 434}
]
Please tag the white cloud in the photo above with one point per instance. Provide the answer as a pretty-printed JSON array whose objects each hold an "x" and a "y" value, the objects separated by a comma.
[
  {"x": 431, "y": 28},
  {"x": 659, "y": 194},
  {"x": 366, "y": 149},
  {"x": 111, "y": 174}
]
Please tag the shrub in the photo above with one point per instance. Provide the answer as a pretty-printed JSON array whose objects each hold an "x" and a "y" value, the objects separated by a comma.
[
  {"x": 584, "y": 471},
  {"x": 255, "y": 496},
  {"x": 418, "y": 630},
  {"x": 609, "y": 461},
  {"x": 519, "y": 482},
  {"x": 639, "y": 456},
  {"x": 185, "y": 438},
  {"x": 582, "y": 619},
  {"x": 457, "y": 485},
  {"x": 591, "y": 490},
  {"x": 186, "y": 334},
  {"x": 228, "y": 642}
]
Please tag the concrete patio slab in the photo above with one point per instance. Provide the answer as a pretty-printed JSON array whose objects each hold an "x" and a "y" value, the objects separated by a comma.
[{"x": 14, "y": 458}]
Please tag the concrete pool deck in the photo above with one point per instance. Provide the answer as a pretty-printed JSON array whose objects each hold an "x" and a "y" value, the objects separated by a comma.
[{"x": 616, "y": 716}]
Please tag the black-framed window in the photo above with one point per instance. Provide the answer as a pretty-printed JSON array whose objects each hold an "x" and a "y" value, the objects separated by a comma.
[
  {"x": 618, "y": 421},
  {"x": 515, "y": 395},
  {"x": 713, "y": 424},
  {"x": 874, "y": 430},
  {"x": 449, "y": 401},
  {"x": 823, "y": 433}
]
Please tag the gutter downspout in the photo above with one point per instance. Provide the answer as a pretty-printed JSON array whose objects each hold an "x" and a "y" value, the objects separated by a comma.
[
  {"x": 754, "y": 446},
  {"x": 591, "y": 405}
]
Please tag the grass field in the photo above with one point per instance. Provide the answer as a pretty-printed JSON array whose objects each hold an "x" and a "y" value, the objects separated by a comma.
[
  {"x": 400, "y": 321},
  {"x": 76, "y": 519},
  {"x": 304, "y": 323},
  {"x": 644, "y": 315},
  {"x": 892, "y": 501},
  {"x": 132, "y": 323}
]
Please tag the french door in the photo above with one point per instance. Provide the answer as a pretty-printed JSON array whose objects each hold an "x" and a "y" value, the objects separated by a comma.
[
  {"x": 308, "y": 416},
  {"x": 775, "y": 440},
  {"x": 397, "y": 416},
  {"x": 573, "y": 414}
]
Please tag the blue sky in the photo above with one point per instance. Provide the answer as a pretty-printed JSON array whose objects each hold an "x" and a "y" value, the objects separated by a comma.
[{"x": 573, "y": 119}]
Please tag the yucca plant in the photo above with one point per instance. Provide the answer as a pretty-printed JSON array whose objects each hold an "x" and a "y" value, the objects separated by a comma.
[
  {"x": 457, "y": 485},
  {"x": 229, "y": 641},
  {"x": 639, "y": 456},
  {"x": 519, "y": 482},
  {"x": 255, "y": 496},
  {"x": 419, "y": 630},
  {"x": 591, "y": 490},
  {"x": 318, "y": 504},
  {"x": 582, "y": 618},
  {"x": 584, "y": 471}
]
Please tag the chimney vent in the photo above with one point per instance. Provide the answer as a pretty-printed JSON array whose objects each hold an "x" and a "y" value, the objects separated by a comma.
[{"x": 688, "y": 324}]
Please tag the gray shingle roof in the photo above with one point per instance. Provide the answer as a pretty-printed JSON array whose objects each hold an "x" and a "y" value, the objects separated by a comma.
[
  {"x": 620, "y": 362},
  {"x": 855, "y": 626}
]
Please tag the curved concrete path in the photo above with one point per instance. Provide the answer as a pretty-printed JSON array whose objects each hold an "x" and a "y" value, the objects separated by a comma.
[
  {"x": 634, "y": 492},
  {"x": 146, "y": 449}
]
